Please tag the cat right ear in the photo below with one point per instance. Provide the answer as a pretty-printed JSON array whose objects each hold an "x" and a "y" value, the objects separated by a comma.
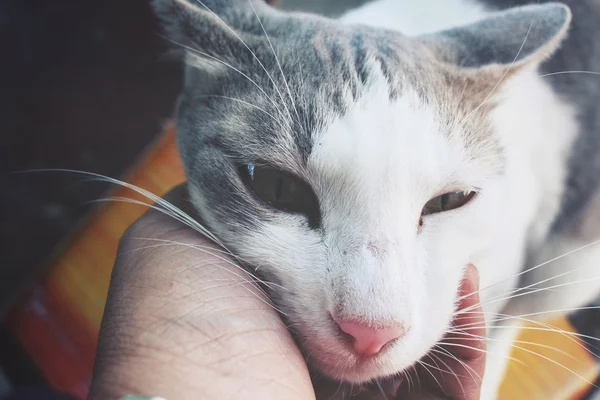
[{"x": 515, "y": 38}]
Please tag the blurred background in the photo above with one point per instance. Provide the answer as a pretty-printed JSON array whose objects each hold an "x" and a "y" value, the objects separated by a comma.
[{"x": 84, "y": 85}]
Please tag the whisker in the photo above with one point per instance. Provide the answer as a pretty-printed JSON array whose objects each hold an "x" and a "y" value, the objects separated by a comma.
[
  {"x": 408, "y": 379},
  {"x": 192, "y": 223},
  {"x": 555, "y": 363},
  {"x": 333, "y": 396},
  {"x": 501, "y": 79},
  {"x": 468, "y": 368},
  {"x": 164, "y": 207},
  {"x": 202, "y": 53},
  {"x": 385, "y": 397},
  {"x": 277, "y": 60},
  {"x": 546, "y": 327},
  {"x": 462, "y": 94},
  {"x": 234, "y": 273},
  {"x": 595, "y": 242},
  {"x": 418, "y": 378},
  {"x": 446, "y": 353},
  {"x": 229, "y": 262},
  {"x": 177, "y": 244},
  {"x": 248, "y": 104},
  {"x": 464, "y": 346},
  {"x": 250, "y": 50},
  {"x": 479, "y": 338},
  {"x": 476, "y": 349},
  {"x": 244, "y": 280},
  {"x": 435, "y": 361},
  {"x": 498, "y": 298},
  {"x": 559, "y": 311},
  {"x": 570, "y": 72},
  {"x": 432, "y": 354},
  {"x": 544, "y": 346},
  {"x": 170, "y": 214},
  {"x": 144, "y": 204},
  {"x": 425, "y": 366},
  {"x": 153, "y": 246}
]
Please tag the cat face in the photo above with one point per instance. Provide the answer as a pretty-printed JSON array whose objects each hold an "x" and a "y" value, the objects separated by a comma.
[{"x": 356, "y": 170}]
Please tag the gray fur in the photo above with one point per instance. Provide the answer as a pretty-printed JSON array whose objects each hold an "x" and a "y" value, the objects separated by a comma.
[{"x": 487, "y": 42}]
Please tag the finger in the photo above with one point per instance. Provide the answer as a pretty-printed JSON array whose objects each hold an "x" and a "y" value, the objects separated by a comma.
[
  {"x": 469, "y": 323},
  {"x": 465, "y": 347}
]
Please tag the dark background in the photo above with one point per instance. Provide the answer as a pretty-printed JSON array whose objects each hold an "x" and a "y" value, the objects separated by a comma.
[{"x": 83, "y": 85}]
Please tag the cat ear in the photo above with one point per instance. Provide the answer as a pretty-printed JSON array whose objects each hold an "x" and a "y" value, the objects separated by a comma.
[
  {"x": 210, "y": 32},
  {"x": 522, "y": 36}
]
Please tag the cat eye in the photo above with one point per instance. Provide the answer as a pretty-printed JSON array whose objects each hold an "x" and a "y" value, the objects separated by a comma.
[
  {"x": 282, "y": 191},
  {"x": 447, "y": 202}
]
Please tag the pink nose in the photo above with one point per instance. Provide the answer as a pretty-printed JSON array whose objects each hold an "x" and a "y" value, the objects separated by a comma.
[{"x": 369, "y": 341}]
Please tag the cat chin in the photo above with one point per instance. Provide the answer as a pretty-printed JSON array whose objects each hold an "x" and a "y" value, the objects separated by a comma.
[
  {"x": 337, "y": 362},
  {"x": 359, "y": 371},
  {"x": 364, "y": 371},
  {"x": 331, "y": 355}
]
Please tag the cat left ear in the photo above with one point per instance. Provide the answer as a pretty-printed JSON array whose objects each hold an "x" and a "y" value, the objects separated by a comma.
[
  {"x": 515, "y": 38},
  {"x": 212, "y": 31}
]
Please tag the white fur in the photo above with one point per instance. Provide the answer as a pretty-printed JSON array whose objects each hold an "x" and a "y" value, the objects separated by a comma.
[
  {"x": 537, "y": 130},
  {"x": 416, "y": 17},
  {"x": 373, "y": 170}
]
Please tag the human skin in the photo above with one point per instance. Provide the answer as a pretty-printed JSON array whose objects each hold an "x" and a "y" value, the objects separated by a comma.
[{"x": 182, "y": 321}]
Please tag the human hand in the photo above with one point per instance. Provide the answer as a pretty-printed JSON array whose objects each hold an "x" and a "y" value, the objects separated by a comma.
[{"x": 182, "y": 321}]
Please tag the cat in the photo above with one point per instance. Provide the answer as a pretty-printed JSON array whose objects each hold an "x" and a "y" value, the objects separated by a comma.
[{"x": 361, "y": 163}]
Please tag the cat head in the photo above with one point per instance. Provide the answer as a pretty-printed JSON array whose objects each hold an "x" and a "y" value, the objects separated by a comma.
[{"x": 356, "y": 168}]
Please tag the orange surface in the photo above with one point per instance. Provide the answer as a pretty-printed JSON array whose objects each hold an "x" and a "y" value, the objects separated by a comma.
[
  {"x": 547, "y": 363},
  {"x": 59, "y": 320}
]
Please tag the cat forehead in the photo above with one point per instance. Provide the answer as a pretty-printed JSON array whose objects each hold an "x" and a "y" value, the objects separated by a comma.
[
  {"x": 283, "y": 97},
  {"x": 377, "y": 131},
  {"x": 316, "y": 67},
  {"x": 424, "y": 143}
]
